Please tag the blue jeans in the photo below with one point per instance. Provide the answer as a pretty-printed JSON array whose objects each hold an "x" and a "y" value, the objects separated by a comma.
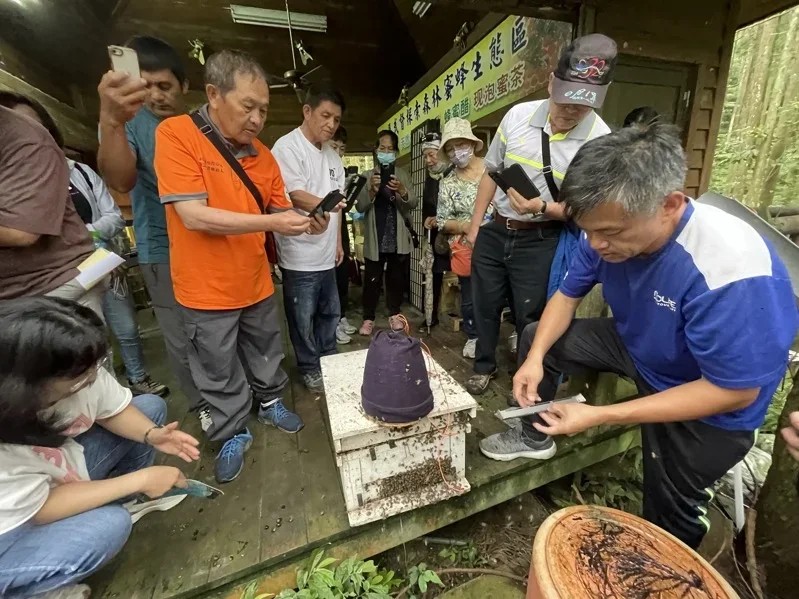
[
  {"x": 39, "y": 558},
  {"x": 312, "y": 311},
  {"x": 467, "y": 307},
  {"x": 120, "y": 314}
]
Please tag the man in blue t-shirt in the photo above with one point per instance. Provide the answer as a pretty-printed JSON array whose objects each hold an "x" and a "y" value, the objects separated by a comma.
[
  {"x": 130, "y": 111},
  {"x": 703, "y": 317}
]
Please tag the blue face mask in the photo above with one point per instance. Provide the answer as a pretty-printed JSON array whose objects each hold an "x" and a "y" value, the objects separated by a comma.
[{"x": 386, "y": 157}]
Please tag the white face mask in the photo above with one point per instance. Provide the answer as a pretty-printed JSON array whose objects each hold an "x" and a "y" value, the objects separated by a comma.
[{"x": 461, "y": 157}]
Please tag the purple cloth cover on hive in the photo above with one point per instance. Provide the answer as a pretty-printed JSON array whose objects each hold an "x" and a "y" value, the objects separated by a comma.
[{"x": 396, "y": 387}]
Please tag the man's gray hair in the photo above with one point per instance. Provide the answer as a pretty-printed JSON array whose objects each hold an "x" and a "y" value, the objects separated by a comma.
[
  {"x": 635, "y": 167},
  {"x": 222, "y": 67}
]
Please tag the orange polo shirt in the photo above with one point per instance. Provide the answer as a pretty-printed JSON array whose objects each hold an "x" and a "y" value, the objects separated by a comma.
[{"x": 215, "y": 272}]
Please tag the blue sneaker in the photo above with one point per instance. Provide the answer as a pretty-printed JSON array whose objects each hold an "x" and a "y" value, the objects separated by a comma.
[
  {"x": 278, "y": 416},
  {"x": 230, "y": 460}
]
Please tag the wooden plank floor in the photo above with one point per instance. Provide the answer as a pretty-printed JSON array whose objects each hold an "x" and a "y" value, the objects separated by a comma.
[{"x": 288, "y": 499}]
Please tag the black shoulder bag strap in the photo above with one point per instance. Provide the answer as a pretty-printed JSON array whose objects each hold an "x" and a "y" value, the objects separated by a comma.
[
  {"x": 409, "y": 226},
  {"x": 207, "y": 130},
  {"x": 85, "y": 176},
  {"x": 546, "y": 158}
]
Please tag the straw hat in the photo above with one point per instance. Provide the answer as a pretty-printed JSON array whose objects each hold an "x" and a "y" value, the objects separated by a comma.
[{"x": 458, "y": 128}]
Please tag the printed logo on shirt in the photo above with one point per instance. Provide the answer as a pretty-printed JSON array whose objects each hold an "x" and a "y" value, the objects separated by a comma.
[
  {"x": 211, "y": 165},
  {"x": 56, "y": 457},
  {"x": 333, "y": 174},
  {"x": 664, "y": 302}
]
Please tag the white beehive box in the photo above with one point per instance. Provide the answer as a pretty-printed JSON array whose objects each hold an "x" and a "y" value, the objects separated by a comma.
[{"x": 384, "y": 470}]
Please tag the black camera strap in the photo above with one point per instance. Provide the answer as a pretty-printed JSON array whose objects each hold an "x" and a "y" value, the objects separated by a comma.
[{"x": 546, "y": 158}]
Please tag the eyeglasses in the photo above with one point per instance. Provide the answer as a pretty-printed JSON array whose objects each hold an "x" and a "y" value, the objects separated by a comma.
[
  {"x": 432, "y": 136},
  {"x": 90, "y": 376}
]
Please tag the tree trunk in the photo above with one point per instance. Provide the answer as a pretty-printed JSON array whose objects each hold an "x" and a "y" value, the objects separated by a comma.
[
  {"x": 778, "y": 515},
  {"x": 742, "y": 67},
  {"x": 774, "y": 124},
  {"x": 752, "y": 99}
]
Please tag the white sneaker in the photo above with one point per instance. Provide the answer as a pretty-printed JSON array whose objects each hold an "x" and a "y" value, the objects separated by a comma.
[
  {"x": 205, "y": 419},
  {"x": 470, "y": 349},
  {"x": 342, "y": 338},
  {"x": 139, "y": 509},
  {"x": 345, "y": 326},
  {"x": 73, "y": 591}
]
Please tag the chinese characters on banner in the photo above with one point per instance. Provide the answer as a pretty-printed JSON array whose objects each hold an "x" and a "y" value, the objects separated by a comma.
[{"x": 511, "y": 62}]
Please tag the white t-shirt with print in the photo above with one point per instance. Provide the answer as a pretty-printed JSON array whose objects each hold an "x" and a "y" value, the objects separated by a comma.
[
  {"x": 27, "y": 472},
  {"x": 305, "y": 167}
]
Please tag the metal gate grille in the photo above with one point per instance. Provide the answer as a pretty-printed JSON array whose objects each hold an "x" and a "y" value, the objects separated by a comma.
[{"x": 418, "y": 174}]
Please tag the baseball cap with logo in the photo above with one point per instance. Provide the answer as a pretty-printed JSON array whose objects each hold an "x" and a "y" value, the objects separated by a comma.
[{"x": 584, "y": 71}]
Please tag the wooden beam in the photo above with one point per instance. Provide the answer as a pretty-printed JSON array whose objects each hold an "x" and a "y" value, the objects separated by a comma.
[
  {"x": 77, "y": 131},
  {"x": 774, "y": 211},
  {"x": 787, "y": 225},
  {"x": 752, "y": 11}
]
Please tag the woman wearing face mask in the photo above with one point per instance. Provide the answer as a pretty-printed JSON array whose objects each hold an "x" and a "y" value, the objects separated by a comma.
[
  {"x": 386, "y": 204},
  {"x": 436, "y": 170},
  {"x": 76, "y": 451},
  {"x": 456, "y": 197}
]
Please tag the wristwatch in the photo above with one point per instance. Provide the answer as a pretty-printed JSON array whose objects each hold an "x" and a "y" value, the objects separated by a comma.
[{"x": 543, "y": 209}]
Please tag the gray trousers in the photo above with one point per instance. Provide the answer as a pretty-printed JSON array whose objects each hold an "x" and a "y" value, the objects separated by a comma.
[
  {"x": 231, "y": 353},
  {"x": 92, "y": 299},
  {"x": 169, "y": 315}
]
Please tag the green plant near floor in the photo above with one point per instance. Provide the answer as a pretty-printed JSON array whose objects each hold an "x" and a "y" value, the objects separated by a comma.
[
  {"x": 617, "y": 483},
  {"x": 351, "y": 578},
  {"x": 420, "y": 578},
  {"x": 466, "y": 556}
]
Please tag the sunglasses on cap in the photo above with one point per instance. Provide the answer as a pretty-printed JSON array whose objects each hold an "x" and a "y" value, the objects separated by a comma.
[{"x": 433, "y": 136}]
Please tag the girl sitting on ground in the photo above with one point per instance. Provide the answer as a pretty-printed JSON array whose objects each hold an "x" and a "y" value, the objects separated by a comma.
[{"x": 74, "y": 444}]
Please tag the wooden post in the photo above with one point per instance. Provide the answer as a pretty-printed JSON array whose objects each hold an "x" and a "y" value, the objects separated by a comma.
[{"x": 778, "y": 514}]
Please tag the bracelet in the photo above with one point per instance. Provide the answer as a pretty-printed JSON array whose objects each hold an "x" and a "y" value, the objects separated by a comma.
[{"x": 147, "y": 434}]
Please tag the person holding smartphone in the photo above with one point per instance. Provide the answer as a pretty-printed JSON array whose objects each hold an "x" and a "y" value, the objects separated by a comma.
[
  {"x": 344, "y": 328},
  {"x": 514, "y": 252},
  {"x": 130, "y": 111},
  {"x": 311, "y": 170},
  {"x": 74, "y": 445},
  {"x": 386, "y": 201}
]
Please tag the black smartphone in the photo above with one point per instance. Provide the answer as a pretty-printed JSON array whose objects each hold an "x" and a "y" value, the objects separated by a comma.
[
  {"x": 515, "y": 177},
  {"x": 330, "y": 201},
  {"x": 386, "y": 172},
  {"x": 354, "y": 187}
]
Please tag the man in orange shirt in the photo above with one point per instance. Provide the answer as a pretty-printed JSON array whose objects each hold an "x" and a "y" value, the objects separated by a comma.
[{"x": 220, "y": 272}]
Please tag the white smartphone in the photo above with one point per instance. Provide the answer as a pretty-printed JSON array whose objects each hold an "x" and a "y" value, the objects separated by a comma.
[{"x": 124, "y": 60}]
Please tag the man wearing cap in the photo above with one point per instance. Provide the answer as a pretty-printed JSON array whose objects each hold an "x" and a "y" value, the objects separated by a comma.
[{"x": 514, "y": 251}]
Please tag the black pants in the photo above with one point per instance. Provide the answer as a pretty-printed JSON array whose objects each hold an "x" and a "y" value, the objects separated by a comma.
[
  {"x": 682, "y": 460},
  {"x": 438, "y": 284},
  {"x": 343, "y": 269},
  {"x": 343, "y": 283},
  {"x": 395, "y": 266},
  {"x": 508, "y": 262}
]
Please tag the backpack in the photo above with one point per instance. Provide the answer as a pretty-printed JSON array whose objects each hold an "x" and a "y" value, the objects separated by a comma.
[{"x": 396, "y": 386}]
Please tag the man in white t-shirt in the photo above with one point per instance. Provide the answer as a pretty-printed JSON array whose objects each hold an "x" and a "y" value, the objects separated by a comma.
[{"x": 311, "y": 169}]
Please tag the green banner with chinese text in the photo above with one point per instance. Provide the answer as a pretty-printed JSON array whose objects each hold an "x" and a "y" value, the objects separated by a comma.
[{"x": 508, "y": 64}]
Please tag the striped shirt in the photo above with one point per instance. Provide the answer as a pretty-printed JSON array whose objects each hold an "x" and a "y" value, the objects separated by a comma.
[{"x": 518, "y": 140}]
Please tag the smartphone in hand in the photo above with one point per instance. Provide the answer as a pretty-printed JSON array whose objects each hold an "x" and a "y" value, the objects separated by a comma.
[
  {"x": 330, "y": 201},
  {"x": 124, "y": 60}
]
